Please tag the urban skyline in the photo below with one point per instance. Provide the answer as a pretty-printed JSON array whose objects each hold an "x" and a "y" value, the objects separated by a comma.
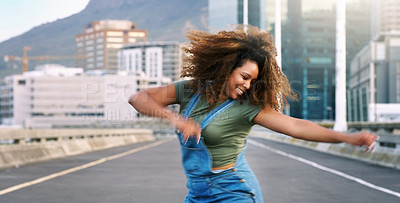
[{"x": 308, "y": 53}]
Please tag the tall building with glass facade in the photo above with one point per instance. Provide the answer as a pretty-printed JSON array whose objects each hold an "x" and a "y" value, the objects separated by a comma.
[
  {"x": 308, "y": 59},
  {"x": 223, "y": 13},
  {"x": 308, "y": 52}
]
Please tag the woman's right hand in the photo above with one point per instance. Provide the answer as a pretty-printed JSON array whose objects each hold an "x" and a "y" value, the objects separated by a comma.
[{"x": 188, "y": 128}]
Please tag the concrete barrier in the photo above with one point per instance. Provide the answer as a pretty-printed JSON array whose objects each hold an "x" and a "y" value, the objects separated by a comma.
[
  {"x": 24, "y": 146},
  {"x": 383, "y": 155}
]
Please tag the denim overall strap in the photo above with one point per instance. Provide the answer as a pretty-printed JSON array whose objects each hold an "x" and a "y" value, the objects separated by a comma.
[
  {"x": 192, "y": 103},
  {"x": 196, "y": 158},
  {"x": 214, "y": 113}
]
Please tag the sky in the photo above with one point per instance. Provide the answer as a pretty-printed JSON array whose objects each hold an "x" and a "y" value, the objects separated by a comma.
[{"x": 19, "y": 16}]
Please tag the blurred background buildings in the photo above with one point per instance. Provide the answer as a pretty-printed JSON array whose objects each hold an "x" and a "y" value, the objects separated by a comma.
[
  {"x": 101, "y": 41},
  {"x": 119, "y": 57},
  {"x": 155, "y": 59},
  {"x": 57, "y": 96},
  {"x": 221, "y": 14},
  {"x": 374, "y": 85},
  {"x": 308, "y": 54}
]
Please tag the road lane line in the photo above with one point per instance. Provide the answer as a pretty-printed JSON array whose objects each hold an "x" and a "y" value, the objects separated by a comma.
[
  {"x": 358, "y": 180},
  {"x": 71, "y": 170}
]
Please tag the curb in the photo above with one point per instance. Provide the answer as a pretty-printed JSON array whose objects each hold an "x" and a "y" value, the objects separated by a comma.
[
  {"x": 381, "y": 156},
  {"x": 63, "y": 143}
]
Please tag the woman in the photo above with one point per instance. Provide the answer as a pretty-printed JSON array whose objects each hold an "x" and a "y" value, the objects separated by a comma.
[{"x": 236, "y": 83}]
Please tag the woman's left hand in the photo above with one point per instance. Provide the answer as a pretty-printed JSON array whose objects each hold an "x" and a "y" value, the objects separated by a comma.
[{"x": 363, "y": 138}]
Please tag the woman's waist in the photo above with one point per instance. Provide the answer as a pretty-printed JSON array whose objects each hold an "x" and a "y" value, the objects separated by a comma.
[
  {"x": 243, "y": 171},
  {"x": 223, "y": 168}
]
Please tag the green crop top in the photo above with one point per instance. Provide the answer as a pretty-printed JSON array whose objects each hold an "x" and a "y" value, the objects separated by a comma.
[{"x": 225, "y": 135}]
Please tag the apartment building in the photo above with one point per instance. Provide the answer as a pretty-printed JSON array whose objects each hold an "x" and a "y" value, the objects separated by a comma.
[
  {"x": 374, "y": 87},
  {"x": 56, "y": 96},
  {"x": 155, "y": 59},
  {"x": 100, "y": 41},
  {"x": 385, "y": 17}
]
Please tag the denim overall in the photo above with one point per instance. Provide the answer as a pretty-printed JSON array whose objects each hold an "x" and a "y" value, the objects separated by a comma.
[{"x": 237, "y": 184}]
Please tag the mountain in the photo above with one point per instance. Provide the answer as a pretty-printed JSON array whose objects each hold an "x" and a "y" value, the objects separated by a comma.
[{"x": 163, "y": 20}]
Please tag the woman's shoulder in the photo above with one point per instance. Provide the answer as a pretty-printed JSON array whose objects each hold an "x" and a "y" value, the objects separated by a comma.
[{"x": 247, "y": 110}]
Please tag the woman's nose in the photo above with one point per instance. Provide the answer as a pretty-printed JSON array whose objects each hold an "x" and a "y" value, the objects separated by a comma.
[{"x": 247, "y": 84}]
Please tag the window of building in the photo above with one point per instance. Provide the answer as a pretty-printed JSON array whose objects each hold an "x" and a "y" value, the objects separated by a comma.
[
  {"x": 114, "y": 34},
  {"x": 21, "y": 82},
  {"x": 358, "y": 105},
  {"x": 137, "y": 34},
  {"x": 352, "y": 109},
  {"x": 113, "y": 39},
  {"x": 319, "y": 60},
  {"x": 364, "y": 104},
  {"x": 90, "y": 48},
  {"x": 114, "y": 46},
  {"x": 398, "y": 82}
]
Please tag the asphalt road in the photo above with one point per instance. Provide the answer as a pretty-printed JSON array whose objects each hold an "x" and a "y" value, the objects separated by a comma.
[{"x": 154, "y": 174}]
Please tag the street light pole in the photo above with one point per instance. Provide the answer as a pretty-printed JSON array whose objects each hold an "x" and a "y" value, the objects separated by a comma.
[
  {"x": 245, "y": 12},
  {"x": 340, "y": 121},
  {"x": 278, "y": 42}
]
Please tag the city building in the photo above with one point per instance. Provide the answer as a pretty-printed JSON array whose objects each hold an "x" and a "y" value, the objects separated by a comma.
[
  {"x": 308, "y": 44},
  {"x": 358, "y": 29},
  {"x": 101, "y": 40},
  {"x": 374, "y": 88},
  {"x": 222, "y": 13},
  {"x": 309, "y": 50},
  {"x": 308, "y": 58},
  {"x": 56, "y": 96},
  {"x": 270, "y": 9},
  {"x": 385, "y": 17},
  {"x": 154, "y": 59}
]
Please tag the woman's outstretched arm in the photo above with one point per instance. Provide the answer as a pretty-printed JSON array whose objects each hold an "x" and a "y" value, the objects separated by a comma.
[
  {"x": 153, "y": 102},
  {"x": 307, "y": 130}
]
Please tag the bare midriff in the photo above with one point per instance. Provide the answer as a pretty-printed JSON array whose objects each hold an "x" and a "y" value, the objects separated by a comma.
[{"x": 224, "y": 167}]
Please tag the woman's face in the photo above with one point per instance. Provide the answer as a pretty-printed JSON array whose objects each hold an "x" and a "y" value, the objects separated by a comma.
[{"x": 241, "y": 79}]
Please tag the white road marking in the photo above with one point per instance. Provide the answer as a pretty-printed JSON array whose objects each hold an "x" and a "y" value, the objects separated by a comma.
[
  {"x": 71, "y": 170},
  {"x": 358, "y": 180}
]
